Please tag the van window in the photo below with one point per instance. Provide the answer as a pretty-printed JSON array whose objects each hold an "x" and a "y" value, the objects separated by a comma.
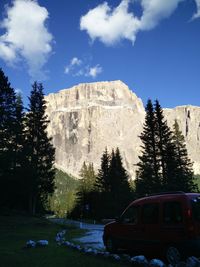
[
  {"x": 172, "y": 212},
  {"x": 131, "y": 215},
  {"x": 196, "y": 208},
  {"x": 150, "y": 213}
]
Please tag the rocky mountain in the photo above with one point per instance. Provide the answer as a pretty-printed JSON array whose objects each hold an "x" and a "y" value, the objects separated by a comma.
[{"x": 88, "y": 117}]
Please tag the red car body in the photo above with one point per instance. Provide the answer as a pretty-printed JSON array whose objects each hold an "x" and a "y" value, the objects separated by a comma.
[{"x": 165, "y": 224}]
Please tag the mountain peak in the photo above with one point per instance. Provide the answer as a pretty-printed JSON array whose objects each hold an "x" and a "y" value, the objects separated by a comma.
[{"x": 106, "y": 93}]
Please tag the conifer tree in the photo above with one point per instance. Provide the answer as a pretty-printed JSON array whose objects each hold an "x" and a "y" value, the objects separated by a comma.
[
  {"x": 40, "y": 152},
  {"x": 166, "y": 148},
  {"x": 148, "y": 178},
  {"x": 117, "y": 174},
  {"x": 102, "y": 181},
  {"x": 88, "y": 177},
  {"x": 18, "y": 191},
  {"x": 164, "y": 164},
  {"x": 91, "y": 177},
  {"x": 19, "y": 136},
  {"x": 7, "y": 130},
  {"x": 85, "y": 189},
  {"x": 120, "y": 189},
  {"x": 184, "y": 178}
]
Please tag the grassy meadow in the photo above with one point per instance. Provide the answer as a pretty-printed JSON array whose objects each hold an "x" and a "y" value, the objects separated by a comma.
[{"x": 15, "y": 231}]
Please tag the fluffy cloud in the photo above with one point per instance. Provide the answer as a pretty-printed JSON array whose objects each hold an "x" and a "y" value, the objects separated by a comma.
[
  {"x": 94, "y": 71},
  {"x": 156, "y": 10},
  {"x": 197, "y": 14},
  {"x": 26, "y": 36},
  {"x": 112, "y": 25},
  {"x": 73, "y": 63},
  {"x": 18, "y": 91},
  {"x": 76, "y": 61},
  {"x": 78, "y": 67}
]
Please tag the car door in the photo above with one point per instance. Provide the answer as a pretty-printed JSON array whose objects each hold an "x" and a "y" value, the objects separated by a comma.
[
  {"x": 129, "y": 229},
  {"x": 173, "y": 230},
  {"x": 195, "y": 204},
  {"x": 150, "y": 227}
]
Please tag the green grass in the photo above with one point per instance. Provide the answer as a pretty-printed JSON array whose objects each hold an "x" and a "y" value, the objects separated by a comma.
[{"x": 15, "y": 231}]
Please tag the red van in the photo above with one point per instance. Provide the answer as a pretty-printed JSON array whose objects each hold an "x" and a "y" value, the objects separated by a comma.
[{"x": 166, "y": 224}]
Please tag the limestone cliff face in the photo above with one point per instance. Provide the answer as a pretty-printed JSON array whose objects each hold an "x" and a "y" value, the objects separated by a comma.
[
  {"x": 88, "y": 117},
  {"x": 188, "y": 118}
]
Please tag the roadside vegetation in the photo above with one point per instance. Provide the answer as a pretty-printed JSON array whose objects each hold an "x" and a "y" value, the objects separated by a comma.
[
  {"x": 15, "y": 231},
  {"x": 63, "y": 200}
]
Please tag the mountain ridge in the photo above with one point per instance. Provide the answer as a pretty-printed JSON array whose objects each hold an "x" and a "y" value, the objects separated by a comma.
[{"x": 88, "y": 117}]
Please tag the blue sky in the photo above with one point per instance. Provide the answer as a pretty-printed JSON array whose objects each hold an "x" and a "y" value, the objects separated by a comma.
[{"x": 151, "y": 45}]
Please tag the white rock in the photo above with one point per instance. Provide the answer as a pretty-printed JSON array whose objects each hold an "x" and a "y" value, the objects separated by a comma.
[
  {"x": 156, "y": 263},
  {"x": 193, "y": 262},
  {"x": 116, "y": 257},
  {"x": 83, "y": 118},
  {"x": 141, "y": 260},
  {"x": 30, "y": 244},
  {"x": 42, "y": 243}
]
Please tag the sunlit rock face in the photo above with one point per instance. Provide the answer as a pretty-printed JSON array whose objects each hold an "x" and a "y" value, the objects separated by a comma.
[
  {"x": 88, "y": 117},
  {"x": 188, "y": 118}
]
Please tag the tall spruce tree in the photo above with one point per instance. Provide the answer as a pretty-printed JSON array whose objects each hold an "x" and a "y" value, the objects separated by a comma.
[
  {"x": 40, "y": 152},
  {"x": 102, "y": 181},
  {"x": 120, "y": 189},
  {"x": 19, "y": 136},
  {"x": 18, "y": 189},
  {"x": 166, "y": 149},
  {"x": 164, "y": 164},
  {"x": 184, "y": 177},
  {"x": 112, "y": 186},
  {"x": 148, "y": 178},
  {"x": 85, "y": 189},
  {"x": 87, "y": 180},
  {"x": 7, "y": 132}
]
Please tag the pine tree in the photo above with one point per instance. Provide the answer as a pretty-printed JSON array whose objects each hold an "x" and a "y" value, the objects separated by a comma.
[
  {"x": 19, "y": 136},
  {"x": 166, "y": 148},
  {"x": 85, "y": 189},
  {"x": 91, "y": 177},
  {"x": 184, "y": 178},
  {"x": 7, "y": 131},
  {"x": 18, "y": 189},
  {"x": 117, "y": 174},
  {"x": 88, "y": 177},
  {"x": 120, "y": 189},
  {"x": 39, "y": 151},
  {"x": 83, "y": 180},
  {"x": 148, "y": 178},
  {"x": 102, "y": 182},
  {"x": 159, "y": 166}
]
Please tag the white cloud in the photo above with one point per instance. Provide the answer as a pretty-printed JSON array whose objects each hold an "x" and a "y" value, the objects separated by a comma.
[
  {"x": 76, "y": 61},
  {"x": 156, "y": 10},
  {"x": 78, "y": 67},
  {"x": 67, "y": 70},
  {"x": 7, "y": 52},
  {"x": 18, "y": 91},
  {"x": 26, "y": 36},
  {"x": 197, "y": 14},
  {"x": 94, "y": 71},
  {"x": 110, "y": 25},
  {"x": 72, "y": 65}
]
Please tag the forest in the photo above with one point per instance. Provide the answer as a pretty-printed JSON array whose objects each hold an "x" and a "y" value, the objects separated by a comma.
[{"x": 29, "y": 181}]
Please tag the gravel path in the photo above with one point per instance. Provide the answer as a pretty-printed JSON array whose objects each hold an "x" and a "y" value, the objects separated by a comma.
[{"x": 93, "y": 237}]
